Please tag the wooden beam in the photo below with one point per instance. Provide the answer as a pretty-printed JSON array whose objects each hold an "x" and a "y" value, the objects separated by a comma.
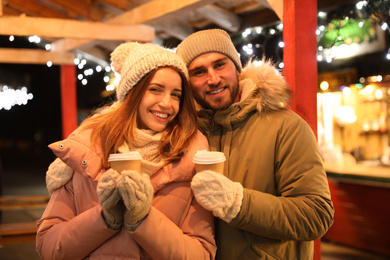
[
  {"x": 157, "y": 9},
  {"x": 70, "y": 44},
  {"x": 32, "y": 8},
  {"x": 150, "y": 11},
  {"x": 251, "y": 6},
  {"x": 277, "y": 6},
  {"x": 13, "y": 229},
  {"x": 96, "y": 55},
  {"x": 174, "y": 29},
  {"x": 265, "y": 16},
  {"x": 12, "y": 199},
  {"x": 225, "y": 19},
  {"x": 63, "y": 28},
  {"x": 32, "y": 56},
  {"x": 9, "y": 11},
  {"x": 77, "y": 9},
  {"x": 18, "y": 239},
  {"x": 265, "y": 3},
  {"x": 121, "y": 4}
]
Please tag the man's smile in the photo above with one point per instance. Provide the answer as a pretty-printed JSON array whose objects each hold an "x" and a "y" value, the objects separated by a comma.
[{"x": 216, "y": 91}]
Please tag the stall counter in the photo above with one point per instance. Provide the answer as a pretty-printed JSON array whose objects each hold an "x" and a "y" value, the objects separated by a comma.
[{"x": 361, "y": 198}]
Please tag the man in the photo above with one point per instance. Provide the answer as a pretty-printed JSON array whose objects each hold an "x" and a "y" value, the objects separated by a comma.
[{"x": 273, "y": 199}]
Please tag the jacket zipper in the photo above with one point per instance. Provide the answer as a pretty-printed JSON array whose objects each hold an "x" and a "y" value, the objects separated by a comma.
[{"x": 211, "y": 119}]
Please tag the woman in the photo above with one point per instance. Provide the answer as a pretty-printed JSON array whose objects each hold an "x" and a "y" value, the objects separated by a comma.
[{"x": 96, "y": 212}]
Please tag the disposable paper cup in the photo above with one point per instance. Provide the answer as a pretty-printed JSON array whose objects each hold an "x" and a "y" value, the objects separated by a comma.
[
  {"x": 205, "y": 160},
  {"x": 125, "y": 161}
]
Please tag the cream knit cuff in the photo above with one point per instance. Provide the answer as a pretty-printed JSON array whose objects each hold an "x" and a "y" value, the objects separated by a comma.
[{"x": 236, "y": 207}]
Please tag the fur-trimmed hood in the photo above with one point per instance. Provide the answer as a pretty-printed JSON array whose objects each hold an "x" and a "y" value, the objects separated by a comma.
[{"x": 265, "y": 84}]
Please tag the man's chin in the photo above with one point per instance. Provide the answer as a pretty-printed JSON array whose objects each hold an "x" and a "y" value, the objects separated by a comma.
[{"x": 216, "y": 105}]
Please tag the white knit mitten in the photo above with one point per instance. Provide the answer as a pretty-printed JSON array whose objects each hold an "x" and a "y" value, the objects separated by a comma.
[
  {"x": 137, "y": 194},
  {"x": 57, "y": 175},
  {"x": 110, "y": 200},
  {"x": 218, "y": 194}
]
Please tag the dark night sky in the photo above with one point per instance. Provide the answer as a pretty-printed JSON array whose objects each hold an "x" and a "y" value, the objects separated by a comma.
[{"x": 26, "y": 130}]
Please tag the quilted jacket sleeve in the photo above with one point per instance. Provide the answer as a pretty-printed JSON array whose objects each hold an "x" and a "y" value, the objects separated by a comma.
[{"x": 61, "y": 232}]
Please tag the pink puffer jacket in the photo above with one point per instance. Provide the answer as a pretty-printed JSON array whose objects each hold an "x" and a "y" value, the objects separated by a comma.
[{"x": 72, "y": 227}]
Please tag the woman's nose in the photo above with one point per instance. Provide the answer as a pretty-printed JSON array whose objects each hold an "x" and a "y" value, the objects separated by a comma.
[{"x": 166, "y": 101}]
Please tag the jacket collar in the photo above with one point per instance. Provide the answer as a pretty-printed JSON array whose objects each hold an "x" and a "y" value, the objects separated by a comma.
[{"x": 268, "y": 87}]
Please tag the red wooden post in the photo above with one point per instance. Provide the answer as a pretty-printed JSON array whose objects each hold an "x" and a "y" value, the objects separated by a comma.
[
  {"x": 300, "y": 63},
  {"x": 68, "y": 99},
  {"x": 300, "y": 56}
]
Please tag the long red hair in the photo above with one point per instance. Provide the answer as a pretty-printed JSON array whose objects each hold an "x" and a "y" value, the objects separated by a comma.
[{"x": 115, "y": 124}]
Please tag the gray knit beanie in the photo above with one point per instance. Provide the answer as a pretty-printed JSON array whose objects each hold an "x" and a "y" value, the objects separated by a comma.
[
  {"x": 134, "y": 60},
  {"x": 212, "y": 40}
]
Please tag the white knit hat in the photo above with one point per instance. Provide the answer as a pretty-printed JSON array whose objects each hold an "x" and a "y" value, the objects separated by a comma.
[
  {"x": 134, "y": 60},
  {"x": 205, "y": 41}
]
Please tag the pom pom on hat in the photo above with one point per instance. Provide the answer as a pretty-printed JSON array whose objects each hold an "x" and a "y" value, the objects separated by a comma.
[
  {"x": 119, "y": 55},
  {"x": 133, "y": 61},
  {"x": 206, "y": 41}
]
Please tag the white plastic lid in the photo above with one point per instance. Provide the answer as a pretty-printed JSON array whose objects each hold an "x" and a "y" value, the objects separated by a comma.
[
  {"x": 207, "y": 157},
  {"x": 125, "y": 156}
]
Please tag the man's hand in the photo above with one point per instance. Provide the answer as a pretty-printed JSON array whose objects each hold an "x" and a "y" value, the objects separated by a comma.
[{"x": 218, "y": 194}]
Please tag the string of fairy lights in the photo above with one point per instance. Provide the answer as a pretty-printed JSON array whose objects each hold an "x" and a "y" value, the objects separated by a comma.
[{"x": 341, "y": 28}]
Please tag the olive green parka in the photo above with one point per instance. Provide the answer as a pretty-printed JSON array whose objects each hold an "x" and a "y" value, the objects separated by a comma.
[{"x": 274, "y": 154}]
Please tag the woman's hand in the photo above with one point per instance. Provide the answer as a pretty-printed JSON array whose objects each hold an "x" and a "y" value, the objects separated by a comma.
[
  {"x": 137, "y": 194},
  {"x": 110, "y": 199}
]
